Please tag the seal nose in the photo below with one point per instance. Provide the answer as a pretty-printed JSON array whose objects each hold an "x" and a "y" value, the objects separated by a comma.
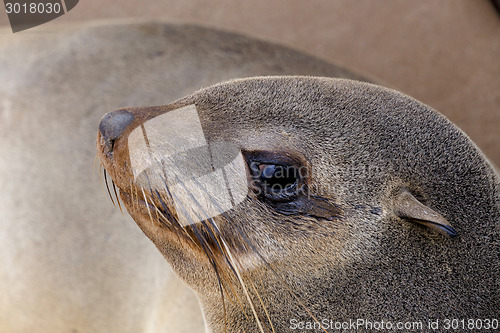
[{"x": 112, "y": 126}]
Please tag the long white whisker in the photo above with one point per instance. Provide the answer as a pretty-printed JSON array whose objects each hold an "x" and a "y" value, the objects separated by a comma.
[
  {"x": 233, "y": 262},
  {"x": 147, "y": 206}
]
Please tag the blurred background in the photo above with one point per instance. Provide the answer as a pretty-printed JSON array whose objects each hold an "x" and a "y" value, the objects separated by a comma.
[{"x": 444, "y": 53}]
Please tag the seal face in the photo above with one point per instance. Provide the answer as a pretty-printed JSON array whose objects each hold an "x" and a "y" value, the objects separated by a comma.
[{"x": 296, "y": 199}]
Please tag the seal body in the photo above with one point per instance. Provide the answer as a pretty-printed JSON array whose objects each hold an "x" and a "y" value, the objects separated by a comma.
[
  {"x": 289, "y": 201},
  {"x": 68, "y": 260}
]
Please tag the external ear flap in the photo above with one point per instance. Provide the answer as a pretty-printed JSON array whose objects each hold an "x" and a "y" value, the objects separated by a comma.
[{"x": 408, "y": 207}]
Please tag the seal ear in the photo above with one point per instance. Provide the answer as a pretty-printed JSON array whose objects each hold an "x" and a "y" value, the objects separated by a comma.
[{"x": 407, "y": 206}]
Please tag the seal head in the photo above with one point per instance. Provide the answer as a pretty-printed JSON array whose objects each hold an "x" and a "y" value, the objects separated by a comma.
[{"x": 287, "y": 200}]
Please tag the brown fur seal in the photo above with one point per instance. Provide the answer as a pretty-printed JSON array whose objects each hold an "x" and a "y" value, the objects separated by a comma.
[
  {"x": 70, "y": 262},
  {"x": 289, "y": 202}
]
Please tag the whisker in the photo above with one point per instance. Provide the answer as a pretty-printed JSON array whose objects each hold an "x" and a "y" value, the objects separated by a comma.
[
  {"x": 107, "y": 187},
  {"x": 175, "y": 223},
  {"x": 117, "y": 197},
  {"x": 221, "y": 245},
  {"x": 283, "y": 282},
  {"x": 164, "y": 205},
  {"x": 207, "y": 218},
  {"x": 263, "y": 306},
  {"x": 232, "y": 260},
  {"x": 210, "y": 255},
  {"x": 147, "y": 206},
  {"x": 245, "y": 290},
  {"x": 247, "y": 242},
  {"x": 206, "y": 248}
]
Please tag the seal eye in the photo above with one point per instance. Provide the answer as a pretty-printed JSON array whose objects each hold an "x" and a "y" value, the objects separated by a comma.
[
  {"x": 278, "y": 177},
  {"x": 276, "y": 182}
]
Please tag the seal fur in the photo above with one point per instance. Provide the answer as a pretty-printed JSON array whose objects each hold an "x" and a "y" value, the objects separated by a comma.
[
  {"x": 409, "y": 228},
  {"x": 69, "y": 261}
]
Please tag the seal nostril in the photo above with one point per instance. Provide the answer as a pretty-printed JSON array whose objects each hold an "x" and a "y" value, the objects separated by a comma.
[{"x": 112, "y": 126}]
